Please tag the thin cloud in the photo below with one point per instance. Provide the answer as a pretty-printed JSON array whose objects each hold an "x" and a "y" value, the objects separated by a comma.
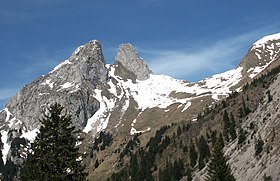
[
  {"x": 43, "y": 60},
  {"x": 208, "y": 60}
]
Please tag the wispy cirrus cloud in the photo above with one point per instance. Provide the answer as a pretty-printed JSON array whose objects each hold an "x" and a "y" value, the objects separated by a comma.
[
  {"x": 43, "y": 60},
  {"x": 196, "y": 64}
]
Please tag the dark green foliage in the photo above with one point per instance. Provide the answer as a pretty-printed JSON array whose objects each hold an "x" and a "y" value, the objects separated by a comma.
[
  {"x": 10, "y": 170},
  {"x": 130, "y": 146},
  {"x": 267, "y": 178},
  {"x": 269, "y": 96},
  {"x": 201, "y": 163},
  {"x": 193, "y": 155},
  {"x": 165, "y": 142},
  {"x": 96, "y": 164},
  {"x": 218, "y": 169},
  {"x": 220, "y": 139},
  {"x": 241, "y": 112},
  {"x": 1, "y": 155},
  {"x": 172, "y": 172},
  {"x": 245, "y": 87},
  {"x": 258, "y": 146},
  {"x": 204, "y": 152},
  {"x": 224, "y": 104},
  {"x": 226, "y": 122},
  {"x": 179, "y": 131},
  {"x": 54, "y": 156},
  {"x": 154, "y": 141},
  {"x": 189, "y": 174},
  {"x": 232, "y": 126},
  {"x": 120, "y": 176},
  {"x": 245, "y": 109},
  {"x": 241, "y": 136},
  {"x": 213, "y": 136},
  {"x": 186, "y": 127},
  {"x": 143, "y": 161},
  {"x": 15, "y": 145},
  {"x": 104, "y": 139}
]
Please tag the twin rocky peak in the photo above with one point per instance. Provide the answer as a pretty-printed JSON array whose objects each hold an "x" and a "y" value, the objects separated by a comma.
[
  {"x": 76, "y": 84},
  {"x": 72, "y": 84},
  {"x": 128, "y": 64}
]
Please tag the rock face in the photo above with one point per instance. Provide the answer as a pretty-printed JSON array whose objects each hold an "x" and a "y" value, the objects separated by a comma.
[
  {"x": 71, "y": 84},
  {"x": 135, "y": 66},
  {"x": 244, "y": 163}
]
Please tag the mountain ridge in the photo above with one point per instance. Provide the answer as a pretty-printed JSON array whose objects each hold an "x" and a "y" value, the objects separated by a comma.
[{"x": 124, "y": 97}]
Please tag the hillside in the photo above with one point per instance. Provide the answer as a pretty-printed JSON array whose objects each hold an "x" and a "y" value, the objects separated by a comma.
[{"x": 255, "y": 116}]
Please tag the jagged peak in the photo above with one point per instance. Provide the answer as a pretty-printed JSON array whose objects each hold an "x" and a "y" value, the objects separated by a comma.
[
  {"x": 128, "y": 57},
  {"x": 90, "y": 47},
  {"x": 85, "y": 63}
]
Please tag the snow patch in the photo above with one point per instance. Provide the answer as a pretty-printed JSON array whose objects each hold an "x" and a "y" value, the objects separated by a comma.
[
  {"x": 8, "y": 114},
  {"x": 134, "y": 131},
  {"x": 78, "y": 49},
  {"x": 49, "y": 83},
  {"x": 258, "y": 55},
  {"x": 30, "y": 135},
  {"x": 67, "y": 85},
  {"x": 11, "y": 121},
  {"x": 101, "y": 118},
  {"x": 258, "y": 69},
  {"x": 60, "y": 65},
  {"x": 6, "y": 146},
  {"x": 41, "y": 94},
  {"x": 187, "y": 106}
]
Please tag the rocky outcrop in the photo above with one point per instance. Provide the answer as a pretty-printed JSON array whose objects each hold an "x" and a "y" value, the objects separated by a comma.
[
  {"x": 135, "y": 66},
  {"x": 262, "y": 53},
  {"x": 71, "y": 84}
]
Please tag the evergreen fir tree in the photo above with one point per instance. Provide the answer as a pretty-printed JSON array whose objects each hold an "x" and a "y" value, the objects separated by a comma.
[
  {"x": 226, "y": 122},
  {"x": 179, "y": 131},
  {"x": 54, "y": 153},
  {"x": 258, "y": 146},
  {"x": 241, "y": 136},
  {"x": 193, "y": 155},
  {"x": 232, "y": 130},
  {"x": 1, "y": 160},
  {"x": 189, "y": 174},
  {"x": 203, "y": 147},
  {"x": 218, "y": 169}
]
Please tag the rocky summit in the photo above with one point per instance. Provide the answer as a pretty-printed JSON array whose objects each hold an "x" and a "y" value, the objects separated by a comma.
[
  {"x": 127, "y": 58},
  {"x": 128, "y": 102}
]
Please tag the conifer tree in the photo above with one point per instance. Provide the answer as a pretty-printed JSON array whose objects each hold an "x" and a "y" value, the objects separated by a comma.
[
  {"x": 226, "y": 122},
  {"x": 1, "y": 160},
  {"x": 218, "y": 169},
  {"x": 232, "y": 130},
  {"x": 193, "y": 155},
  {"x": 54, "y": 153}
]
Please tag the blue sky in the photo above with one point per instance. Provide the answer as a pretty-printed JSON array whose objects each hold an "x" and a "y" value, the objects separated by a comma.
[{"x": 187, "y": 39}]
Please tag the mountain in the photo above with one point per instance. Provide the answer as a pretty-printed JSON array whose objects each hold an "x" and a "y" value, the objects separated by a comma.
[{"x": 124, "y": 99}]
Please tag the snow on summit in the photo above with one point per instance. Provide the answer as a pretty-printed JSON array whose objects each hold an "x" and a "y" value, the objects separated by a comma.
[{"x": 265, "y": 39}]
